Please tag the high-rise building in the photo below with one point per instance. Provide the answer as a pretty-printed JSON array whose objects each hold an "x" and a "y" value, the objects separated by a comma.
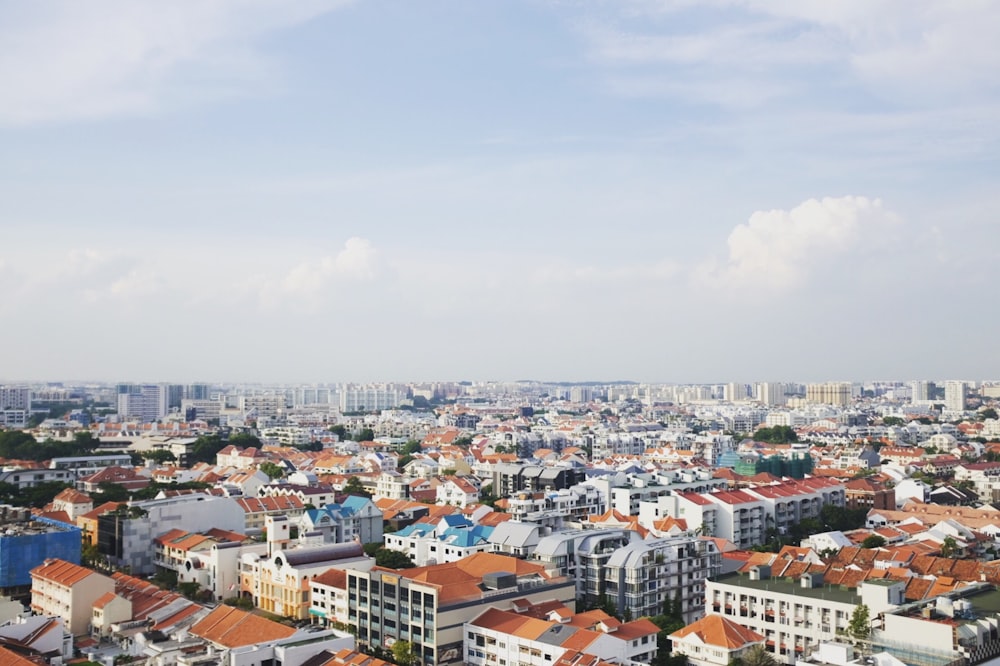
[
  {"x": 15, "y": 397},
  {"x": 830, "y": 393},
  {"x": 15, "y": 406},
  {"x": 771, "y": 393},
  {"x": 735, "y": 392},
  {"x": 370, "y": 398},
  {"x": 920, "y": 391},
  {"x": 954, "y": 396},
  {"x": 147, "y": 402}
]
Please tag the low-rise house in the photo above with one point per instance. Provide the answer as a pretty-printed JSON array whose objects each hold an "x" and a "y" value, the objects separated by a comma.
[
  {"x": 66, "y": 590},
  {"x": 354, "y": 519},
  {"x": 714, "y": 640},
  {"x": 543, "y": 633},
  {"x": 257, "y": 509},
  {"x": 457, "y": 490},
  {"x": 245, "y": 639}
]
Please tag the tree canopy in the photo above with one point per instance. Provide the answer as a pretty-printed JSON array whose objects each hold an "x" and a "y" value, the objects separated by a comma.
[
  {"x": 873, "y": 541},
  {"x": 273, "y": 470},
  {"x": 355, "y": 487},
  {"x": 19, "y": 445},
  {"x": 860, "y": 626},
  {"x": 776, "y": 435}
]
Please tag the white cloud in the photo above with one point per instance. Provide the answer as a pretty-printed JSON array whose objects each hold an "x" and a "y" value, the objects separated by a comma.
[
  {"x": 930, "y": 53},
  {"x": 312, "y": 282},
  {"x": 64, "y": 60},
  {"x": 781, "y": 249}
]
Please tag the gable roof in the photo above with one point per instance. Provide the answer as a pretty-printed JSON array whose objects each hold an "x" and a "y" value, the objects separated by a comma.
[
  {"x": 720, "y": 631},
  {"x": 62, "y": 572},
  {"x": 232, "y": 627}
]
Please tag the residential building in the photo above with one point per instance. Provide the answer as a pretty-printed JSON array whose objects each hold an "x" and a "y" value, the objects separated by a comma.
[
  {"x": 328, "y": 597},
  {"x": 582, "y": 556},
  {"x": 452, "y": 538},
  {"x": 830, "y": 393},
  {"x": 428, "y": 605},
  {"x": 69, "y": 591},
  {"x": 28, "y": 477},
  {"x": 868, "y": 493},
  {"x": 143, "y": 402},
  {"x": 125, "y": 535},
  {"x": 714, "y": 640},
  {"x": 15, "y": 406},
  {"x": 238, "y": 638},
  {"x": 370, "y": 398},
  {"x": 354, "y": 519},
  {"x": 278, "y": 580},
  {"x": 26, "y": 542},
  {"x": 644, "y": 577},
  {"x": 509, "y": 478},
  {"x": 793, "y": 617},
  {"x": 541, "y": 634},
  {"x": 257, "y": 509},
  {"x": 73, "y": 503},
  {"x": 955, "y": 393}
]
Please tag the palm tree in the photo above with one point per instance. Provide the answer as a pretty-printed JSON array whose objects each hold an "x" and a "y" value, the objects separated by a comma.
[{"x": 758, "y": 656}]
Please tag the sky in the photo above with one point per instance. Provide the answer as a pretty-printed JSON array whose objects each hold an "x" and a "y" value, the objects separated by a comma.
[{"x": 411, "y": 190}]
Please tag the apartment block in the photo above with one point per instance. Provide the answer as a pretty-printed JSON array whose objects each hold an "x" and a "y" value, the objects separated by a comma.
[
  {"x": 793, "y": 617},
  {"x": 428, "y": 606},
  {"x": 643, "y": 577},
  {"x": 69, "y": 591}
]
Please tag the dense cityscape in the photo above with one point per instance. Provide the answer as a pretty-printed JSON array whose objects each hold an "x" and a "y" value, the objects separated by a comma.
[
  {"x": 510, "y": 333},
  {"x": 500, "y": 523}
]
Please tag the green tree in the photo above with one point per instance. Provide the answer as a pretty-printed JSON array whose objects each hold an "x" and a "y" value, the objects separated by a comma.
[
  {"x": 205, "y": 449},
  {"x": 16, "y": 444},
  {"x": 893, "y": 421},
  {"x": 191, "y": 590},
  {"x": 366, "y": 435},
  {"x": 403, "y": 653},
  {"x": 776, "y": 435},
  {"x": 273, "y": 470},
  {"x": 873, "y": 541},
  {"x": 41, "y": 494},
  {"x": 988, "y": 413},
  {"x": 340, "y": 431},
  {"x": 757, "y": 656},
  {"x": 393, "y": 559},
  {"x": 860, "y": 626},
  {"x": 355, "y": 487},
  {"x": 159, "y": 456},
  {"x": 949, "y": 547},
  {"x": 244, "y": 440}
]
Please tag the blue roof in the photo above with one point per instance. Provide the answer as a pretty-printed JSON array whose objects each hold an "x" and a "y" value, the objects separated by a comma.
[
  {"x": 466, "y": 538},
  {"x": 457, "y": 520},
  {"x": 417, "y": 529},
  {"x": 355, "y": 503}
]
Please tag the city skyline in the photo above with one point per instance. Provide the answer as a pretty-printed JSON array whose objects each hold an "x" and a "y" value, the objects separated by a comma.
[{"x": 283, "y": 192}]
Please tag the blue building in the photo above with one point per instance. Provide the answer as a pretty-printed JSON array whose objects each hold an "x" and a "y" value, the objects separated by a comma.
[{"x": 26, "y": 541}]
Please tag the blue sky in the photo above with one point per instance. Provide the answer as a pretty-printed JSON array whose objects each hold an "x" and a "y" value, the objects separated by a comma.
[{"x": 656, "y": 190}]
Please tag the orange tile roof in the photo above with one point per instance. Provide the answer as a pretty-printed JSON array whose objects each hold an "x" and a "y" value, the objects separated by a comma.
[
  {"x": 232, "y": 627},
  {"x": 104, "y": 599},
  {"x": 720, "y": 631},
  {"x": 352, "y": 658},
  {"x": 61, "y": 572},
  {"x": 11, "y": 658}
]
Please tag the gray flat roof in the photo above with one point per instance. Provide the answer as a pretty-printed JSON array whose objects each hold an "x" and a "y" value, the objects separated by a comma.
[{"x": 791, "y": 587}]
